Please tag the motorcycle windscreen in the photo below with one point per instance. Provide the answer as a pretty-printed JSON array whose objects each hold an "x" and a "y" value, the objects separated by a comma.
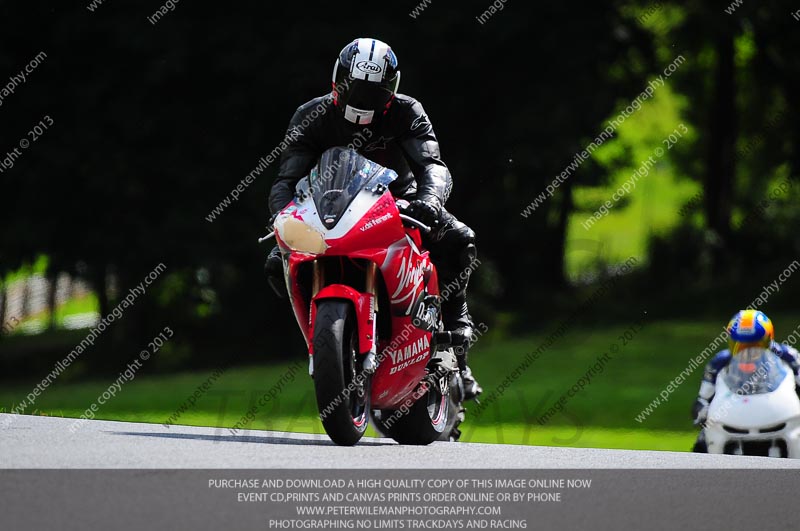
[
  {"x": 338, "y": 178},
  {"x": 755, "y": 371}
]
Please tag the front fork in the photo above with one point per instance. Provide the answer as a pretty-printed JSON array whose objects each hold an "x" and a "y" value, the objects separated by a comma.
[
  {"x": 371, "y": 360},
  {"x": 370, "y": 363},
  {"x": 317, "y": 281}
]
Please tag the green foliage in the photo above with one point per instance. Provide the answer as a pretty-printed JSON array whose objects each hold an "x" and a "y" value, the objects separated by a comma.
[{"x": 653, "y": 206}]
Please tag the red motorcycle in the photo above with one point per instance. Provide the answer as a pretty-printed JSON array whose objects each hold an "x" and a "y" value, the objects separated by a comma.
[{"x": 366, "y": 297}]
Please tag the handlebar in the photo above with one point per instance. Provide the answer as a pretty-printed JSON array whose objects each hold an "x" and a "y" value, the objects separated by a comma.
[
  {"x": 402, "y": 206},
  {"x": 417, "y": 223},
  {"x": 267, "y": 237}
]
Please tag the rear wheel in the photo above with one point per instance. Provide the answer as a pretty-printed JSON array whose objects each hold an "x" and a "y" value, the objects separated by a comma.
[
  {"x": 340, "y": 385},
  {"x": 433, "y": 417},
  {"x": 452, "y": 433}
]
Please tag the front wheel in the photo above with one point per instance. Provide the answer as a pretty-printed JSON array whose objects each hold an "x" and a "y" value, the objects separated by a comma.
[{"x": 341, "y": 387}]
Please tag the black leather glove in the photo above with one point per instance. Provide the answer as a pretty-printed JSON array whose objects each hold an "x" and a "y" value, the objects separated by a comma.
[
  {"x": 273, "y": 268},
  {"x": 700, "y": 411},
  {"x": 274, "y": 264},
  {"x": 425, "y": 210}
]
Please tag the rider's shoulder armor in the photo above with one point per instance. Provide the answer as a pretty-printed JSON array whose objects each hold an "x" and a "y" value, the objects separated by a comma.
[{"x": 788, "y": 354}]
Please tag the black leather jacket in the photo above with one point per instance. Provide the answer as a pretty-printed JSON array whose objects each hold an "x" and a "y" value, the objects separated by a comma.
[{"x": 402, "y": 140}]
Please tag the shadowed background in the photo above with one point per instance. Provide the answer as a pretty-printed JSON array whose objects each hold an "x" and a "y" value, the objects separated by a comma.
[{"x": 155, "y": 124}]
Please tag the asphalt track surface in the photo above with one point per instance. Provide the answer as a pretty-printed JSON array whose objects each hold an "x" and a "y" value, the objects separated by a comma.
[{"x": 46, "y": 442}]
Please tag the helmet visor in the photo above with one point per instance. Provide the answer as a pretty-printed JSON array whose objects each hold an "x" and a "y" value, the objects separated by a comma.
[
  {"x": 366, "y": 95},
  {"x": 755, "y": 370}
]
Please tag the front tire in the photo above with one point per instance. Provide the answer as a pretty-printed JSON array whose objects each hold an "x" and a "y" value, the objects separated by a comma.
[{"x": 342, "y": 390}]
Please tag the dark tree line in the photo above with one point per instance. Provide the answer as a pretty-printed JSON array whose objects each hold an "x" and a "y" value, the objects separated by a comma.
[{"x": 155, "y": 123}]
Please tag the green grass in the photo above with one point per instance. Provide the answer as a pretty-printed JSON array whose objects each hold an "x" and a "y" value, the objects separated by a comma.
[
  {"x": 38, "y": 323},
  {"x": 77, "y": 306},
  {"x": 602, "y": 415},
  {"x": 87, "y": 304}
]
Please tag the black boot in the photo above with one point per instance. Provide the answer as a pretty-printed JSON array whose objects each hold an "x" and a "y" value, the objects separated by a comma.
[
  {"x": 700, "y": 445},
  {"x": 273, "y": 268},
  {"x": 452, "y": 247},
  {"x": 457, "y": 321}
]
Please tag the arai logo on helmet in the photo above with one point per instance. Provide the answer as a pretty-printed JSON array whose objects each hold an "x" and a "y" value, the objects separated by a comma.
[{"x": 368, "y": 67}]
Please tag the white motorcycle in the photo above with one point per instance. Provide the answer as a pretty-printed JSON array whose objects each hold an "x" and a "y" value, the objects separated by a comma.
[{"x": 755, "y": 410}]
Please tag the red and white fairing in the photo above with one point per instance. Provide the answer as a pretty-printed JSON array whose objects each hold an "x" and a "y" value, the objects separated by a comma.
[{"x": 369, "y": 229}]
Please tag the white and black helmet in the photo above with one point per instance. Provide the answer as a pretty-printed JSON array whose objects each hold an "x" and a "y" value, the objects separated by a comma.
[{"x": 365, "y": 80}]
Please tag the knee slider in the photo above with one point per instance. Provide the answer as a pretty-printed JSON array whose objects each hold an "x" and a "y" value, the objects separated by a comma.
[
  {"x": 458, "y": 238},
  {"x": 468, "y": 256}
]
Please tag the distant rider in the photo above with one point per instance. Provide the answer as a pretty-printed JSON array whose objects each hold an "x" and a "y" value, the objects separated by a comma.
[{"x": 748, "y": 328}]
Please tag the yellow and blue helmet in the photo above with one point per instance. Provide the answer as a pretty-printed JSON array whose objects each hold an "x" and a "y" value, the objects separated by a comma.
[{"x": 749, "y": 328}]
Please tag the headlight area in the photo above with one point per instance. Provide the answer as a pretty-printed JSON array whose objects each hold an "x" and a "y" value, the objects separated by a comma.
[{"x": 300, "y": 236}]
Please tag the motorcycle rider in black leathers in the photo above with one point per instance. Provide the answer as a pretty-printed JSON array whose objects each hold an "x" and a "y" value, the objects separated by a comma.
[{"x": 364, "y": 104}]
